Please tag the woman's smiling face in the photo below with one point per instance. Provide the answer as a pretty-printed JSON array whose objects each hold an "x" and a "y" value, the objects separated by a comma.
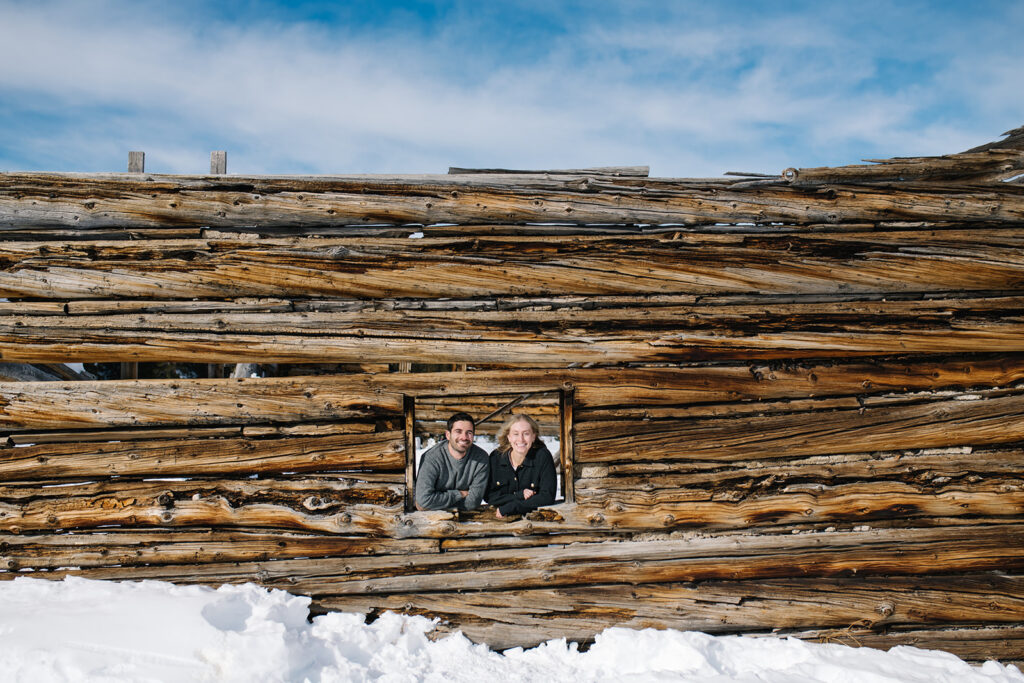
[{"x": 521, "y": 436}]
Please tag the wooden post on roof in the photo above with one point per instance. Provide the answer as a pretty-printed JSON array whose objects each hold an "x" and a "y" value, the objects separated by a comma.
[
  {"x": 136, "y": 162},
  {"x": 218, "y": 162}
]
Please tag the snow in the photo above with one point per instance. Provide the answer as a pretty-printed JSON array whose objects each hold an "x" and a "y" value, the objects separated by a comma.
[{"x": 105, "y": 632}]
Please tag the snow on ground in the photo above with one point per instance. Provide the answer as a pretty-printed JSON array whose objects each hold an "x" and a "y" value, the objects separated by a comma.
[{"x": 97, "y": 631}]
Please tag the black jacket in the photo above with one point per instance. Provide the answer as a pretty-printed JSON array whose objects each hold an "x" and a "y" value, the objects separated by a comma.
[{"x": 506, "y": 486}]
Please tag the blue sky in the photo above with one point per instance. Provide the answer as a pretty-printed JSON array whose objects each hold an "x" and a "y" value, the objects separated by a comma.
[{"x": 689, "y": 88}]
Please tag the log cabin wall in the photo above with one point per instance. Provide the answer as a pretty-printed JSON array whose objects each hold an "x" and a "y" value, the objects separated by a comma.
[{"x": 789, "y": 404}]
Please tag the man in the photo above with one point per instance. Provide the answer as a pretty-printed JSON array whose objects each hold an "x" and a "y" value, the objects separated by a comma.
[{"x": 453, "y": 474}]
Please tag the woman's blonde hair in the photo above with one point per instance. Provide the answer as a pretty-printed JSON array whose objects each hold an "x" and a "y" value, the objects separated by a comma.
[{"x": 503, "y": 443}]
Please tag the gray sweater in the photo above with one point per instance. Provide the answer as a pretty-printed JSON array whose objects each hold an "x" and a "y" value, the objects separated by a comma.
[{"x": 441, "y": 477}]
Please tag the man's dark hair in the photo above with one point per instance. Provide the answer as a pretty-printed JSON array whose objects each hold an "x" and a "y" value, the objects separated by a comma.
[{"x": 460, "y": 417}]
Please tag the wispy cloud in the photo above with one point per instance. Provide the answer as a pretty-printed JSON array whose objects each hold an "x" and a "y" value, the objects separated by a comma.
[{"x": 691, "y": 90}]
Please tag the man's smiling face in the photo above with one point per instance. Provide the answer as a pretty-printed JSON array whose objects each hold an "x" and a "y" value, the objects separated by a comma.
[{"x": 460, "y": 438}]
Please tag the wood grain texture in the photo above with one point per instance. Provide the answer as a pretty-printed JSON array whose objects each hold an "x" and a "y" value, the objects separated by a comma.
[
  {"x": 513, "y": 618},
  {"x": 205, "y": 457},
  {"x": 918, "y": 261},
  {"x": 728, "y": 479},
  {"x": 882, "y": 552},
  {"x": 118, "y": 200},
  {"x": 928, "y": 424},
  {"x": 325, "y": 504},
  {"x": 630, "y": 333},
  {"x": 971, "y": 642},
  {"x": 111, "y": 547},
  {"x": 60, "y": 405},
  {"x": 148, "y": 403}
]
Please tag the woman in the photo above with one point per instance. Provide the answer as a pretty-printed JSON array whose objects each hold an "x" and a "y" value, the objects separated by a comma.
[{"x": 522, "y": 470}]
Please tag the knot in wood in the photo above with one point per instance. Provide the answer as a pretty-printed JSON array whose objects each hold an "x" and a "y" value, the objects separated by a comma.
[
  {"x": 313, "y": 503},
  {"x": 886, "y": 609},
  {"x": 447, "y": 528},
  {"x": 344, "y": 518},
  {"x": 596, "y": 519}
]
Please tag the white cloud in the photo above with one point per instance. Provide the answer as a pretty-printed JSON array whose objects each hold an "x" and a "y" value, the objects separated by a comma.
[{"x": 686, "y": 95}]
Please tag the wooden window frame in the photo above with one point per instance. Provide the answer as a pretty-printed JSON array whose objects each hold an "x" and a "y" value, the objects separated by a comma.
[{"x": 566, "y": 456}]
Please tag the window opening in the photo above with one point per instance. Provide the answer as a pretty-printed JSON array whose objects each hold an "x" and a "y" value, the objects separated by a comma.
[{"x": 426, "y": 417}]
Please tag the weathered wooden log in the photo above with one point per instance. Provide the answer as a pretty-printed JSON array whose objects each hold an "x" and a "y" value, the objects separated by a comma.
[
  {"x": 931, "y": 424},
  {"x": 991, "y": 162},
  {"x": 147, "y": 434},
  {"x": 919, "y": 261},
  {"x": 432, "y": 413},
  {"x": 844, "y": 503},
  {"x": 575, "y": 307},
  {"x": 187, "y": 402},
  {"x": 724, "y": 480},
  {"x": 256, "y": 232},
  {"x": 304, "y": 506},
  {"x": 528, "y": 541},
  {"x": 971, "y": 643},
  {"x": 205, "y": 457},
  {"x": 1012, "y": 139},
  {"x": 149, "y": 403},
  {"x": 309, "y": 429},
  {"x": 326, "y": 504},
  {"x": 886, "y": 552},
  {"x": 987, "y": 166},
  {"x": 158, "y": 547},
  {"x": 142, "y": 434},
  {"x": 503, "y": 619},
  {"x": 631, "y": 171},
  {"x": 118, "y": 200},
  {"x": 627, "y": 334},
  {"x": 821, "y": 503}
]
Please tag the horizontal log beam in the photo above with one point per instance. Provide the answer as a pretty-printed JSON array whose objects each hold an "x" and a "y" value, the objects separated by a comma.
[
  {"x": 526, "y": 618},
  {"x": 138, "y": 403},
  {"x": 931, "y": 424},
  {"x": 330, "y": 504},
  {"x": 163, "y": 546},
  {"x": 904, "y": 552},
  {"x": 315, "y": 506},
  {"x": 150, "y": 403},
  {"x": 98, "y": 201},
  {"x": 918, "y": 261},
  {"x": 971, "y": 643},
  {"x": 991, "y": 165},
  {"x": 146, "y": 434},
  {"x": 205, "y": 457},
  {"x": 633, "y": 171},
  {"x": 725, "y": 480},
  {"x": 628, "y": 334}
]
